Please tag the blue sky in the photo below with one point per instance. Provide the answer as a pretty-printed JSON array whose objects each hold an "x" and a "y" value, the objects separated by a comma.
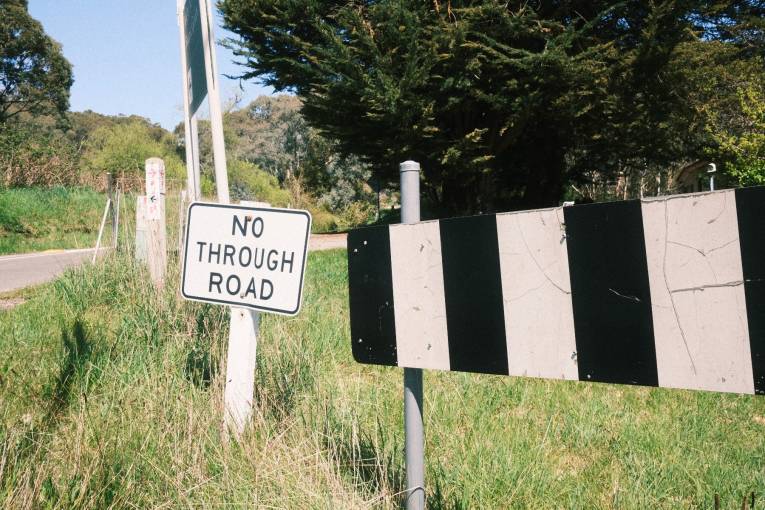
[{"x": 126, "y": 56}]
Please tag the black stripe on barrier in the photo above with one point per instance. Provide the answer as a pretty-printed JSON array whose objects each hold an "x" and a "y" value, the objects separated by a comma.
[
  {"x": 370, "y": 294},
  {"x": 475, "y": 318},
  {"x": 611, "y": 295},
  {"x": 750, "y": 210}
]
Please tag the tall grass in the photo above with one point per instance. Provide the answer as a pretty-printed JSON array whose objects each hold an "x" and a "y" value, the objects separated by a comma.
[
  {"x": 111, "y": 397},
  {"x": 33, "y": 219}
]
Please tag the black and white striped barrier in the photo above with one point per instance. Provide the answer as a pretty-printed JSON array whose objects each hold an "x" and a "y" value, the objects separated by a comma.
[{"x": 660, "y": 292}]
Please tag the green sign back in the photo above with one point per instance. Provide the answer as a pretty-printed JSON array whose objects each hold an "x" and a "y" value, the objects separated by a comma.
[{"x": 195, "y": 54}]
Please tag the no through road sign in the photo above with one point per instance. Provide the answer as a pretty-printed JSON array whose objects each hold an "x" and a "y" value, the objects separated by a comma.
[{"x": 246, "y": 256}]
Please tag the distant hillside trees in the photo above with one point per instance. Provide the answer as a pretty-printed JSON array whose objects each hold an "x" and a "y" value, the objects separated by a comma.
[
  {"x": 35, "y": 156},
  {"x": 35, "y": 79},
  {"x": 270, "y": 135},
  {"x": 81, "y": 148},
  {"x": 122, "y": 148},
  {"x": 505, "y": 103}
]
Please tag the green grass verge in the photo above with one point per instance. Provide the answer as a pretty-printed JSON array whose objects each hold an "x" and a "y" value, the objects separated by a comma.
[
  {"x": 34, "y": 219},
  {"x": 110, "y": 396}
]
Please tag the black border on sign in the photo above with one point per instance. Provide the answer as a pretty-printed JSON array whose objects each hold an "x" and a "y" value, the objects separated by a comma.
[{"x": 290, "y": 313}]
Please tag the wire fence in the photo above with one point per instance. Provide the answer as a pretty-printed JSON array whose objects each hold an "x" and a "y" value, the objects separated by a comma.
[{"x": 136, "y": 184}]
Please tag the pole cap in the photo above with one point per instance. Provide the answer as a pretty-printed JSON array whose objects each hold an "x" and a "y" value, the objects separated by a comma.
[{"x": 409, "y": 166}]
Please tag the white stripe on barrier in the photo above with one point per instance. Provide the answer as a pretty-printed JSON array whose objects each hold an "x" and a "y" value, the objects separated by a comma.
[
  {"x": 418, "y": 296},
  {"x": 697, "y": 293},
  {"x": 539, "y": 320}
]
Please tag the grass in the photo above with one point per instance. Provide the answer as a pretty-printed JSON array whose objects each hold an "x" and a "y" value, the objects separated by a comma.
[
  {"x": 110, "y": 397},
  {"x": 35, "y": 219}
]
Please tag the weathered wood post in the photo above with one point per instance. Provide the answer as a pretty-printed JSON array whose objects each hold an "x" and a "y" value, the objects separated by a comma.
[
  {"x": 117, "y": 218},
  {"x": 155, "y": 217},
  {"x": 141, "y": 230},
  {"x": 181, "y": 217},
  {"x": 239, "y": 393}
]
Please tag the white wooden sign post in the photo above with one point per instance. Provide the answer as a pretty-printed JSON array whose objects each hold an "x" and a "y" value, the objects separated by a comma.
[
  {"x": 252, "y": 258},
  {"x": 150, "y": 224},
  {"x": 241, "y": 362},
  {"x": 155, "y": 220},
  {"x": 155, "y": 187},
  {"x": 141, "y": 230},
  {"x": 200, "y": 80}
]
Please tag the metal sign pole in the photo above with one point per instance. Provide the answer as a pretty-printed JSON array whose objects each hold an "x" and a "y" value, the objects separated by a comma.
[
  {"x": 213, "y": 96},
  {"x": 243, "y": 323},
  {"x": 413, "y": 427},
  {"x": 189, "y": 118},
  {"x": 194, "y": 127}
]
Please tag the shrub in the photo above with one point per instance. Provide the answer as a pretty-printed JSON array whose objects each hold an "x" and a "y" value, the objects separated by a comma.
[
  {"x": 322, "y": 220},
  {"x": 123, "y": 149},
  {"x": 355, "y": 214},
  {"x": 248, "y": 182},
  {"x": 35, "y": 157}
]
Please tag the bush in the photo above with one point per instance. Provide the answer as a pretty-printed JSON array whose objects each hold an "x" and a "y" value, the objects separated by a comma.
[
  {"x": 35, "y": 157},
  {"x": 322, "y": 220},
  {"x": 742, "y": 147},
  {"x": 123, "y": 149},
  {"x": 208, "y": 186},
  {"x": 355, "y": 214},
  {"x": 248, "y": 182}
]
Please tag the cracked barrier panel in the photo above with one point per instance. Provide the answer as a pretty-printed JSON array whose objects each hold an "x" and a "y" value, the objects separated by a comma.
[
  {"x": 697, "y": 293},
  {"x": 660, "y": 292}
]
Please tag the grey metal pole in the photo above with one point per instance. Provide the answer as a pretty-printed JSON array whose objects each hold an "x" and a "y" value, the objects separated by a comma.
[
  {"x": 413, "y": 427},
  {"x": 189, "y": 119},
  {"x": 213, "y": 100}
]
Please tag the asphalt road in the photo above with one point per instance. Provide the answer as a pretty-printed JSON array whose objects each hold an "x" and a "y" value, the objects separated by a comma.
[{"x": 23, "y": 270}]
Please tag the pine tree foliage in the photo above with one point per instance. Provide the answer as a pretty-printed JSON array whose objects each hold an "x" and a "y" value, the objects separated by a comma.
[{"x": 502, "y": 102}]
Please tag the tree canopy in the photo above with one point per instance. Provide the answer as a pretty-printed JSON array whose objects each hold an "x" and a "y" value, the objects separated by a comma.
[
  {"x": 35, "y": 77},
  {"x": 742, "y": 148},
  {"x": 503, "y": 102}
]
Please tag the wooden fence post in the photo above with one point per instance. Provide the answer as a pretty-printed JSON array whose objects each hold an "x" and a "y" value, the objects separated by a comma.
[
  {"x": 157, "y": 246},
  {"x": 141, "y": 230},
  {"x": 155, "y": 216}
]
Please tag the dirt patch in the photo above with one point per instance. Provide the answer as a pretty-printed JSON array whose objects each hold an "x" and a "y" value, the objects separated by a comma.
[
  {"x": 8, "y": 303},
  {"x": 327, "y": 241}
]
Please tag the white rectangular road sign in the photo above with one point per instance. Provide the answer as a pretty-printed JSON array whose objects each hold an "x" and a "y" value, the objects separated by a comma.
[{"x": 246, "y": 256}]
